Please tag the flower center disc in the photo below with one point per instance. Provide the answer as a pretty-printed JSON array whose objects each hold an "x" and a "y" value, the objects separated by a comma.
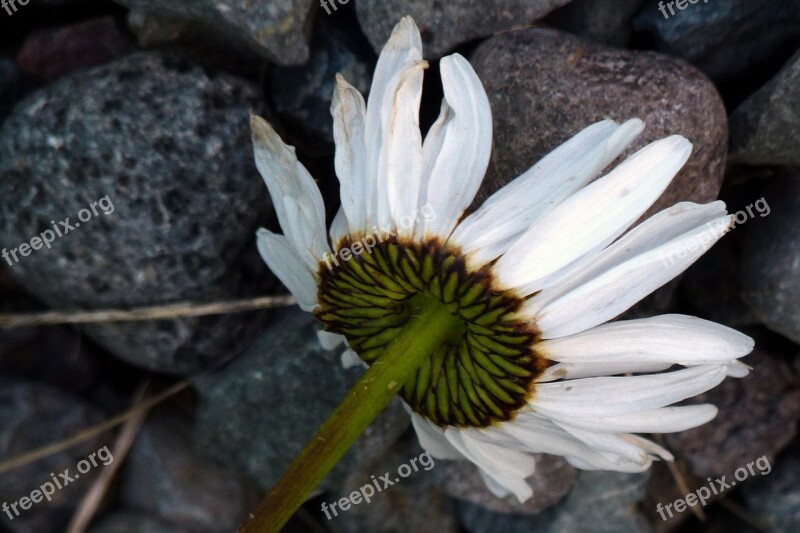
[{"x": 486, "y": 370}]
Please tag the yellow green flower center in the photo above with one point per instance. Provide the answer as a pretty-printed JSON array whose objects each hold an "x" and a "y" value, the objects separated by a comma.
[{"x": 485, "y": 371}]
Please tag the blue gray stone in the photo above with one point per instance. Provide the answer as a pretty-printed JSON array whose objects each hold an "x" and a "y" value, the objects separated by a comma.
[
  {"x": 599, "y": 502},
  {"x": 446, "y": 25},
  {"x": 770, "y": 271},
  {"x": 731, "y": 41},
  {"x": 168, "y": 143},
  {"x": 32, "y": 416},
  {"x": 765, "y": 129},
  {"x": 275, "y": 30},
  {"x": 166, "y": 477},
  {"x": 774, "y": 497}
]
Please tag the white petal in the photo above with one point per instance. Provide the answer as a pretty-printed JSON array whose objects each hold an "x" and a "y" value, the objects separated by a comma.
[
  {"x": 674, "y": 339},
  {"x": 488, "y": 232},
  {"x": 400, "y": 168},
  {"x": 650, "y": 447},
  {"x": 608, "y": 462},
  {"x": 288, "y": 267},
  {"x": 290, "y": 184},
  {"x": 607, "y": 442},
  {"x": 591, "y": 370},
  {"x": 350, "y": 359},
  {"x": 432, "y": 439},
  {"x": 598, "y": 212},
  {"x": 657, "y": 230},
  {"x": 348, "y": 112},
  {"x": 339, "y": 228},
  {"x": 401, "y": 53},
  {"x": 662, "y": 420},
  {"x": 508, "y": 468},
  {"x": 329, "y": 340},
  {"x": 457, "y": 148},
  {"x": 535, "y": 434},
  {"x": 738, "y": 369},
  {"x": 616, "y": 290},
  {"x": 613, "y": 396},
  {"x": 493, "y": 486},
  {"x": 302, "y": 237}
]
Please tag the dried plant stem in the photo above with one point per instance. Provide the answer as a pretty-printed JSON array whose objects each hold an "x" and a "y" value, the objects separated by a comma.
[
  {"x": 680, "y": 481},
  {"x": 50, "y": 449},
  {"x": 155, "y": 312},
  {"x": 94, "y": 496}
]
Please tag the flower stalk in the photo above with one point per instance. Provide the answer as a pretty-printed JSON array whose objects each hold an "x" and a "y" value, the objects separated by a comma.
[{"x": 430, "y": 326}]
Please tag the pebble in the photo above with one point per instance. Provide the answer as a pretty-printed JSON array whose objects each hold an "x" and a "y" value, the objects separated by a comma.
[
  {"x": 163, "y": 149},
  {"x": 440, "y": 35},
  {"x": 301, "y": 96},
  {"x": 735, "y": 41},
  {"x": 599, "y": 501},
  {"x": 50, "y": 53},
  {"x": 765, "y": 129},
  {"x": 32, "y": 416},
  {"x": 275, "y": 30},
  {"x": 164, "y": 476},
  {"x": 603, "y": 21},
  {"x": 551, "y": 481},
  {"x": 770, "y": 271}
]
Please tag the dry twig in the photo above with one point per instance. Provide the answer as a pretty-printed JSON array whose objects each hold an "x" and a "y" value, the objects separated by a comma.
[
  {"x": 155, "y": 312},
  {"x": 94, "y": 496},
  {"x": 69, "y": 442}
]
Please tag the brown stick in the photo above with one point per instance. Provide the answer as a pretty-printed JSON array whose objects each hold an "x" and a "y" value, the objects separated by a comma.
[
  {"x": 50, "y": 449},
  {"x": 94, "y": 496},
  {"x": 156, "y": 312}
]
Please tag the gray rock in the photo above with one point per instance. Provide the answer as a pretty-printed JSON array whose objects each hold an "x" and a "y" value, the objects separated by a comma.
[
  {"x": 729, "y": 41},
  {"x": 599, "y": 501},
  {"x": 258, "y": 412},
  {"x": 757, "y": 416},
  {"x": 770, "y": 273},
  {"x": 551, "y": 481},
  {"x": 32, "y": 416},
  {"x": 445, "y": 25},
  {"x": 765, "y": 129},
  {"x": 49, "y": 53},
  {"x": 168, "y": 145},
  {"x": 54, "y": 355},
  {"x": 415, "y": 503},
  {"x": 301, "y": 96},
  {"x": 274, "y": 30},
  {"x": 712, "y": 285},
  {"x": 132, "y": 522},
  {"x": 166, "y": 478},
  {"x": 604, "y": 21},
  {"x": 10, "y": 85},
  {"x": 775, "y": 497}
]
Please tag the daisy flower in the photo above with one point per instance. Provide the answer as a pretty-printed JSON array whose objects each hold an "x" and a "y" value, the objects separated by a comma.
[{"x": 530, "y": 280}]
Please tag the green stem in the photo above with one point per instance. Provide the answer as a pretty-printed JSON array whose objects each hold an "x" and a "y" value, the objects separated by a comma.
[{"x": 429, "y": 327}]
